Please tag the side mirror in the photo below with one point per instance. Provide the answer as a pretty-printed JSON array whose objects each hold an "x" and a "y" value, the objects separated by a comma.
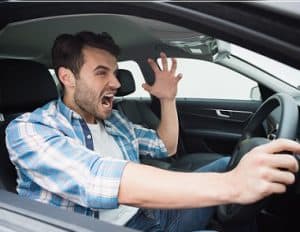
[{"x": 255, "y": 93}]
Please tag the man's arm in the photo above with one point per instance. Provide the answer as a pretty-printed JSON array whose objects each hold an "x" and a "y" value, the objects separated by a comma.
[
  {"x": 168, "y": 127},
  {"x": 148, "y": 187},
  {"x": 165, "y": 89},
  {"x": 260, "y": 173},
  {"x": 62, "y": 165}
]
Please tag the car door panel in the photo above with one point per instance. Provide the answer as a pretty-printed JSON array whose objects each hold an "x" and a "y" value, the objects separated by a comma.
[{"x": 213, "y": 125}]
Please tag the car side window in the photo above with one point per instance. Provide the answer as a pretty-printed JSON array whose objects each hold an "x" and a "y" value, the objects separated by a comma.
[
  {"x": 134, "y": 68},
  {"x": 55, "y": 78},
  {"x": 203, "y": 79}
]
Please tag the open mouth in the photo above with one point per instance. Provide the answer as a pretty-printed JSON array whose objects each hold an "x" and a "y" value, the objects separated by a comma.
[{"x": 107, "y": 100}]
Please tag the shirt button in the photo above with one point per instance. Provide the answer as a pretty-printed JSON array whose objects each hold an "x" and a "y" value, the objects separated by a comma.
[{"x": 89, "y": 136}]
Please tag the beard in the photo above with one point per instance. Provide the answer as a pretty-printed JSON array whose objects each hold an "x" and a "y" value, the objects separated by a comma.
[{"x": 90, "y": 101}]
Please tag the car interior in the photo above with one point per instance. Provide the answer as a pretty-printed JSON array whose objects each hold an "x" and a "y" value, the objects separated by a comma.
[
  {"x": 140, "y": 113},
  {"x": 210, "y": 127},
  {"x": 36, "y": 77},
  {"x": 31, "y": 76},
  {"x": 20, "y": 76}
]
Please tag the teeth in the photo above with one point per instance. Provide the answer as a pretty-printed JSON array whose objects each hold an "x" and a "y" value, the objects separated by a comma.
[{"x": 107, "y": 100}]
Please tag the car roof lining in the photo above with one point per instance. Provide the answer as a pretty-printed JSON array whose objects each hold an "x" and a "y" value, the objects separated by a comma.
[
  {"x": 33, "y": 39},
  {"x": 228, "y": 21}
]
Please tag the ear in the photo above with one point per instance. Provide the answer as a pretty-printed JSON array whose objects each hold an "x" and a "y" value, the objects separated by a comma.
[{"x": 67, "y": 77}]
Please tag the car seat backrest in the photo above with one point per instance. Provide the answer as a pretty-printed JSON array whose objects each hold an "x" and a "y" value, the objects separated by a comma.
[
  {"x": 136, "y": 111},
  {"x": 24, "y": 86},
  {"x": 139, "y": 113},
  {"x": 127, "y": 83}
]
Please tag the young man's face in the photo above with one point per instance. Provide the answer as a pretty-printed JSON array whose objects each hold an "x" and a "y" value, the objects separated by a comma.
[{"x": 96, "y": 84}]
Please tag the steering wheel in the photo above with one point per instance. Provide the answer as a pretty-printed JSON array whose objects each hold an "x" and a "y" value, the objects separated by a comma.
[{"x": 287, "y": 128}]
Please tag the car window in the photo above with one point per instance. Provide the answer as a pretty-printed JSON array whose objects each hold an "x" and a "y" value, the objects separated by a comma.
[
  {"x": 55, "y": 78},
  {"x": 203, "y": 79},
  {"x": 282, "y": 71},
  {"x": 134, "y": 68}
]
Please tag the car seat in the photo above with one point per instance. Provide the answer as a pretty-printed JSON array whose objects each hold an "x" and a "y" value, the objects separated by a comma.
[{"x": 24, "y": 86}]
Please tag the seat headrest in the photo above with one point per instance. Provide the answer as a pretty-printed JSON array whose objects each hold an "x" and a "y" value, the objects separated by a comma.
[
  {"x": 127, "y": 83},
  {"x": 24, "y": 85}
]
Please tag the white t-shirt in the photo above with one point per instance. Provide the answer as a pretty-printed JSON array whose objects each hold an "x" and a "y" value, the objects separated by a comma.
[{"x": 105, "y": 145}]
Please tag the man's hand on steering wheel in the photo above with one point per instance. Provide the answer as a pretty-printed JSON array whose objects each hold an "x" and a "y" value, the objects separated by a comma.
[
  {"x": 259, "y": 168},
  {"x": 264, "y": 171}
]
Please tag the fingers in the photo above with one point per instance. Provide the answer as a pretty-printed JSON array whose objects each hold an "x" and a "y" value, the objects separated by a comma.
[
  {"x": 174, "y": 66},
  {"x": 164, "y": 61},
  {"x": 283, "y": 161},
  {"x": 277, "y": 176},
  {"x": 280, "y": 145},
  {"x": 277, "y": 188},
  {"x": 265, "y": 171},
  {"x": 153, "y": 65},
  {"x": 146, "y": 87}
]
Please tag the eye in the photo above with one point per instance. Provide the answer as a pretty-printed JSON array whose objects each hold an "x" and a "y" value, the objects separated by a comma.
[{"x": 101, "y": 73}]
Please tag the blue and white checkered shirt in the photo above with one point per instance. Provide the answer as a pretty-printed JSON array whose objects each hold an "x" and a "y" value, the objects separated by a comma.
[{"x": 53, "y": 153}]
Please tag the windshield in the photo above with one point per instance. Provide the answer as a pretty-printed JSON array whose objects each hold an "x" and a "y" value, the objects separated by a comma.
[{"x": 279, "y": 70}]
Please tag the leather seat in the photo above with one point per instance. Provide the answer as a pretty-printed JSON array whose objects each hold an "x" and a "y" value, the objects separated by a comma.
[
  {"x": 140, "y": 113},
  {"x": 24, "y": 86}
]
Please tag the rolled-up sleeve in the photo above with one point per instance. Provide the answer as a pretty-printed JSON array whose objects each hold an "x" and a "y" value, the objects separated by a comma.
[{"x": 62, "y": 165}]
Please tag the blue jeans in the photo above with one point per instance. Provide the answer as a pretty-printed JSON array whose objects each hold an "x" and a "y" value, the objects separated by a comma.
[{"x": 177, "y": 219}]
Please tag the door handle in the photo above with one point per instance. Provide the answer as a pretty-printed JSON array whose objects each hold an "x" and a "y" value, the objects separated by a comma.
[{"x": 221, "y": 114}]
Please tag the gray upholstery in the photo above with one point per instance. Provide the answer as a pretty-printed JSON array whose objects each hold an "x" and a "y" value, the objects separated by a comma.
[{"x": 139, "y": 113}]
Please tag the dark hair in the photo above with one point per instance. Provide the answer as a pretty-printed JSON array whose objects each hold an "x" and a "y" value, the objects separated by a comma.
[{"x": 67, "y": 49}]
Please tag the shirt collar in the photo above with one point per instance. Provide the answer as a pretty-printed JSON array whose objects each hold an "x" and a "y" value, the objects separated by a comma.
[
  {"x": 110, "y": 123},
  {"x": 66, "y": 111}
]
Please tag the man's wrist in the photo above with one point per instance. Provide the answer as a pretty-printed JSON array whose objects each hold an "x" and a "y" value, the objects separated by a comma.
[
  {"x": 167, "y": 100},
  {"x": 231, "y": 190}
]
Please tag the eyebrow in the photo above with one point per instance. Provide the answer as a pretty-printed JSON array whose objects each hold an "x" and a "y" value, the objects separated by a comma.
[{"x": 101, "y": 67}]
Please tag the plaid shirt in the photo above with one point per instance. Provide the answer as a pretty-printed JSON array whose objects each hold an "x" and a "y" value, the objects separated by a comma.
[{"x": 53, "y": 153}]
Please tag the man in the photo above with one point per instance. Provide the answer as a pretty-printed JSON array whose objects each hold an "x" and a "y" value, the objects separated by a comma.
[{"x": 79, "y": 154}]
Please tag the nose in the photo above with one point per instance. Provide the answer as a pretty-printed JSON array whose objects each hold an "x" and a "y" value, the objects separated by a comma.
[{"x": 114, "y": 82}]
